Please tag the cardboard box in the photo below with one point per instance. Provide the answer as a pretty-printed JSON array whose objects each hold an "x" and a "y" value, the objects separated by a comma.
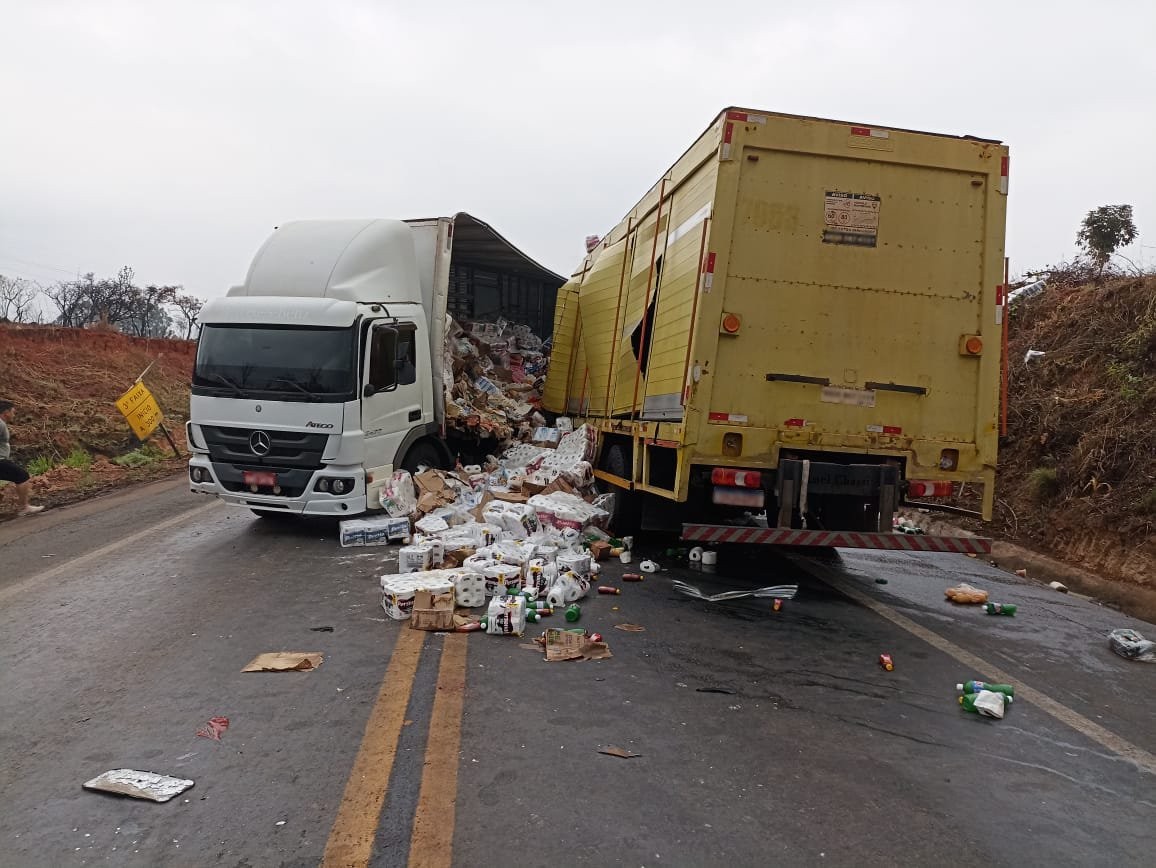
[
  {"x": 432, "y": 611},
  {"x": 599, "y": 550}
]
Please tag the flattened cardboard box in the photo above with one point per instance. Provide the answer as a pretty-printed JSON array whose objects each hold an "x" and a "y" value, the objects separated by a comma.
[{"x": 432, "y": 611}]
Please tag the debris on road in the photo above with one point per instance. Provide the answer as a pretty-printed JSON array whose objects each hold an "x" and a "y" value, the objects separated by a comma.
[
  {"x": 214, "y": 728},
  {"x": 618, "y": 752},
  {"x": 630, "y": 628},
  {"x": 724, "y": 690},
  {"x": 649, "y": 567},
  {"x": 1023, "y": 574},
  {"x": 632, "y": 577},
  {"x": 777, "y": 604},
  {"x": 285, "y": 661},
  {"x": 139, "y": 785},
  {"x": 781, "y": 592},
  {"x": 988, "y": 703},
  {"x": 1130, "y": 644},
  {"x": 965, "y": 593},
  {"x": 886, "y": 662},
  {"x": 433, "y": 611},
  {"x": 1000, "y": 609},
  {"x": 1058, "y": 586},
  {"x": 377, "y": 531},
  {"x": 573, "y": 645}
]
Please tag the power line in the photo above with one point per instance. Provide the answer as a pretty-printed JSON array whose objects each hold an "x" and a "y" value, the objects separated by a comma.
[{"x": 71, "y": 271}]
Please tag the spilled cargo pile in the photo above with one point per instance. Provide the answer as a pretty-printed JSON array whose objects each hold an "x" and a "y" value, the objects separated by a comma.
[
  {"x": 524, "y": 532},
  {"x": 493, "y": 376}
]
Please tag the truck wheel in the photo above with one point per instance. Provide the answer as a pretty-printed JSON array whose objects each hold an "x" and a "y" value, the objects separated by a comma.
[
  {"x": 626, "y": 514},
  {"x": 421, "y": 453}
]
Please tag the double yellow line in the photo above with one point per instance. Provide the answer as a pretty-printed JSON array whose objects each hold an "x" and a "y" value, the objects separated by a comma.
[{"x": 351, "y": 839}]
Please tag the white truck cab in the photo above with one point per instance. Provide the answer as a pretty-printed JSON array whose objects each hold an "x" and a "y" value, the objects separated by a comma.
[{"x": 323, "y": 371}]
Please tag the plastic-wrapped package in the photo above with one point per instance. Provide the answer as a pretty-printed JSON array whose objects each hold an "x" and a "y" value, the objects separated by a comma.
[{"x": 398, "y": 497}]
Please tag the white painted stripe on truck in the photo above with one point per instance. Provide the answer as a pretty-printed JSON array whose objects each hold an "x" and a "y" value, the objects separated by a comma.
[{"x": 701, "y": 214}]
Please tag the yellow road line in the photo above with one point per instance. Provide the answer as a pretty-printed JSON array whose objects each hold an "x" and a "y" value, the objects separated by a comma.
[
  {"x": 104, "y": 550},
  {"x": 351, "y": 839},
  {"x": 1121, "y": 746},
  {"x": 432, "y": 843}
]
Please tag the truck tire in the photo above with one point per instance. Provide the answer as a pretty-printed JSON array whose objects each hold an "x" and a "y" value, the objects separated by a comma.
[
  {"x": 626, "y": 514},
  {"x": 422, "y": 453}
]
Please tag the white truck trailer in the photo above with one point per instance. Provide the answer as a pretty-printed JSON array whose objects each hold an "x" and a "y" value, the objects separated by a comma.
[{"x": 323, "y": 371}]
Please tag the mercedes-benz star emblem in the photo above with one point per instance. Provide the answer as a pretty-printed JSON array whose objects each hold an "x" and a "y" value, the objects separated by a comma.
[{"x": 260, "y": 443}]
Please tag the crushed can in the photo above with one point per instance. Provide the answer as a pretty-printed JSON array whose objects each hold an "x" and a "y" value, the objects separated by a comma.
[
  {"x": 776, "y": 604},
  {"x": 886, "y": 662}
]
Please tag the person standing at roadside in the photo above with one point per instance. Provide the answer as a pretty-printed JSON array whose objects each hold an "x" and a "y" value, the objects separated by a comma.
[{"x": 10, "y": 471}]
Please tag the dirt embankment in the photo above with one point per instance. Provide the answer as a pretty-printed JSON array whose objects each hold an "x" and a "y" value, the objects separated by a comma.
[
  {"x": 64, "y": 383},
  {"x": 1077, "y": 475}
]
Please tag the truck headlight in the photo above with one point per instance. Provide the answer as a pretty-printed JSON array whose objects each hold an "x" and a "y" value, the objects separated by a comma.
[{"x": 340, "y": 486}]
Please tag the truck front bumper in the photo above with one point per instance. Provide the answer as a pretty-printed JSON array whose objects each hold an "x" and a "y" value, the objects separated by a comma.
[{"x": 310, "y": 502}]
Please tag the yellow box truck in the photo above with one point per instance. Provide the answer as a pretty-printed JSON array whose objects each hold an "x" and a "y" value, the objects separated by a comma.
[{"x": 802, "y": 316}]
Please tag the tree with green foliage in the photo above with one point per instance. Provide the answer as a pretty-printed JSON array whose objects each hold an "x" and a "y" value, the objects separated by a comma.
[{"x": 1104, "y": 231}]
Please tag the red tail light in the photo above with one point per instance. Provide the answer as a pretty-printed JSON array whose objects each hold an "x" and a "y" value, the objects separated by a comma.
[
  {"x": 937, "y": 488},
  {"x": 736, "y": 478}
]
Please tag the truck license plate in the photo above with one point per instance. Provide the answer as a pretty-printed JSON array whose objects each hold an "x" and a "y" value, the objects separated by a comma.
[{"x": 263, "y": 478}]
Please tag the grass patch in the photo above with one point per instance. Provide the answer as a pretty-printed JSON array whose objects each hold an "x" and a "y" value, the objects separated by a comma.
[
  {"x": 1044, "y": 483},
  {"x": 141, "y": 457},
  {"x": 78, "y": 459},
  {"x": 40, "y": 464}
]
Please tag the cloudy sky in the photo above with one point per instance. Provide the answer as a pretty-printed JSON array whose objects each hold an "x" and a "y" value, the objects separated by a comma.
[{"x": 172, "y": 136}]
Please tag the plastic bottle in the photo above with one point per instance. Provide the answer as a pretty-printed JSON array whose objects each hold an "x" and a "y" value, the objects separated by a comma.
[
  {"x": 977, "y": 686},
  {"x": 1000, "y": 609},
  {"x": 573, "y": 612}
]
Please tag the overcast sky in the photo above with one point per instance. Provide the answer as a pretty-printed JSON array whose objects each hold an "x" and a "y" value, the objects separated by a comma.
[{"x": 172, "y": 136}]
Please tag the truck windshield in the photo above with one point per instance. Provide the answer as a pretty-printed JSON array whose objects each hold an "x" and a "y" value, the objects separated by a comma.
[{"x": 295, "y": 364}]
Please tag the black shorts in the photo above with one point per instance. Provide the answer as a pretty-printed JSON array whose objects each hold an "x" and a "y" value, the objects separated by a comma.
[{"x": 10, "y": 471}]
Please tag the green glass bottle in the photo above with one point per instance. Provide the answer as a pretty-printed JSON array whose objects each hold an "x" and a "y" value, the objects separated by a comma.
[{"x": 1000, "y": 609}]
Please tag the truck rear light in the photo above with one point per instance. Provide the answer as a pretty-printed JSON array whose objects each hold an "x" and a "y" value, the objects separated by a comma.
[
  {"x": 736, "y": 478},
  {"x": 970, "y": 345},
  {"x": 726, "y": 495},
  {"x": 731, "y": 323},
  {"x": 929, "y": 488},
  {"x": 1003, "y": 173}
]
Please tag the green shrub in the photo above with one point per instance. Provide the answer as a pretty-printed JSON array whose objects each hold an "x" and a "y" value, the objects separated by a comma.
[
  {"x": 1044, "y": 483},
  {"x": 40, "y": 464},
  {"x": 78, "y": 459}
]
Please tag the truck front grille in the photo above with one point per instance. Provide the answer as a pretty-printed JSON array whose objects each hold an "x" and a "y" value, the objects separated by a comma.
[{"x": 287, "y": 449}]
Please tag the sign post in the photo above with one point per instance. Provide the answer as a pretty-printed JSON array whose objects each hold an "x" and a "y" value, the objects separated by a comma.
[{"x": 144, "y": 416}]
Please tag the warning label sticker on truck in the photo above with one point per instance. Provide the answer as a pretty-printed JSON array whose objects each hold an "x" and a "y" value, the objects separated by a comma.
[{"x": 850, "y": 218}]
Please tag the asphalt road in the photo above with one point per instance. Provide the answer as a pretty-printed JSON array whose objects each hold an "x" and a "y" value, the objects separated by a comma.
[{"x": 125, "y": 622}]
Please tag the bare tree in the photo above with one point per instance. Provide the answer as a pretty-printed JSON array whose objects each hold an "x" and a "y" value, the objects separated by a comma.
[
  {"x": 18, "y": 299},
  {"x": 187, "y": 307}
]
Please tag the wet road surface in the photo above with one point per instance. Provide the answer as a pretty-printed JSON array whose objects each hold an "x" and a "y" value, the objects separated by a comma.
[{"x": 124, "y": 624}]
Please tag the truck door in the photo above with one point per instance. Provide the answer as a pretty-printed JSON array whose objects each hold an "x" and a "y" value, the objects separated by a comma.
[{"x": 391, "y": 402}]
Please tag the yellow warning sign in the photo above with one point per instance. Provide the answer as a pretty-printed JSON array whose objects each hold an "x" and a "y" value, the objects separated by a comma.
[{"x": 140, "y": 408}]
